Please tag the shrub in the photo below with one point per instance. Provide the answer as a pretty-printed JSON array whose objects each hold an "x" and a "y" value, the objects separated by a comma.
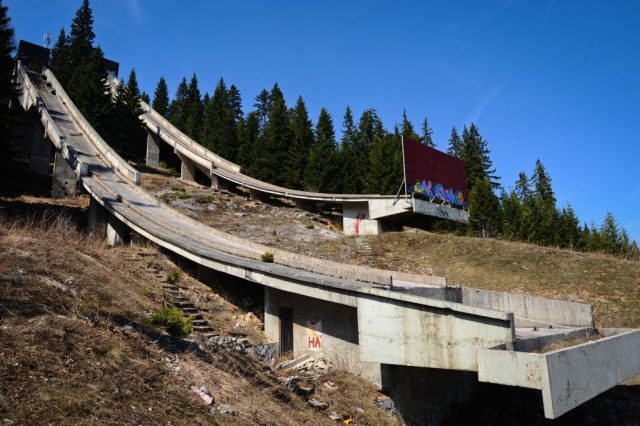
[
  {"x": 174, "y": 276},
  {"x": 183, "y": 195},
  {"x": 174, "y": 320},
  {"x": 310, "y": 226},
  {"x": 267, "y": 257}
]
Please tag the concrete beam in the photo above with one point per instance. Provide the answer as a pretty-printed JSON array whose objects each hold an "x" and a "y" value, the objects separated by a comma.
[
  {"x": 153, "y": 150},
  {"x": 65, "y": 181},
  {"x": 40, "y": 151},
  {"x": 219, "y": 183}
]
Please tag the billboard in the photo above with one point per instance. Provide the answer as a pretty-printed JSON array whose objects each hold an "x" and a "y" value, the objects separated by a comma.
[{"x": 433, "y": 175}]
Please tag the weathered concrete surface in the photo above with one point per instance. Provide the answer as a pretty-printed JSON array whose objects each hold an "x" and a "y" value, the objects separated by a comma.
[
  {"x": 152, "y": 158},
  {"x": 117, "y": 232},
  {"x": 567, "y": 377},
  {"x": 356, "y": 220},
  {"x": 40, "y": 154},
  {"x": 187, "y": 169},
  {"x": 403, "y": 329},
  {"x": 425, "y": 396},
  {"x": 547, "y": 311},
  {"x": 438, "y": 210},
  {"x": 97, "y": 219},
  {"x": 328, "y": 330},
  {"x": 65, "y": 181},
  {"x": 385, "y": 207}
]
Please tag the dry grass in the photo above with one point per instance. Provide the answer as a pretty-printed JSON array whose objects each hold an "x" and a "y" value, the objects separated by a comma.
[{"x": 78, "y": 347}]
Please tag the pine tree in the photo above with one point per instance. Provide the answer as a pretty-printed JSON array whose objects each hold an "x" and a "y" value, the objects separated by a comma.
[
  {"x": 484, "y": 210},
  {"x": 178, "y": 107},
  {"x": 322, "y": 166},
  {"x": 542, "y": 185},
  {"x": 569, "y": 228},
  {"x": 7, "y": 88},
  {"x": 609, "y": 234},
  {"x": 382, "y": 178},
  {"x": 60, "y": 62},
  {"x": 302, "y": 140},
  {"x": 348, "y": 154},
  {"x": 144, "y": 97},
  {"x": 455, "y": 144},
  {"x": 220, "y": 126},
  {"x": 261, "y": 105},
  {"x": 523, "y": 188},
  {"x": 88, "y": 90},
  {"x": 369, "y": 127},
  {"x": 193, "y": 110},
  {"x": 271, "y": 150},
  {"x": 161, "y": 98},
  {"x": 250, "y": 133},
  {"x": 512, "y": 215},
  {"x": 81, "y": 37},
  {"x": 475, "y": 154},
  {"x": 407, "y": 128},
  {"x": 427, "y": 131}
]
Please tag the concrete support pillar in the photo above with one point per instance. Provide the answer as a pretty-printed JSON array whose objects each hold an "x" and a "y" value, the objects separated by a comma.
[
  {"x": 40, "y": 151},
  {"x": 65, "y": 181},
  {"x": 219, "y": 183},
  {"x": 153, "y": 150},
  {"x": 258, "y": 195},
  {"x": 187, "y": 169},
  {"x": 97, "y": 220},
  {"x": 117, "y": 232},
  {"x": 355, "y": 220}
]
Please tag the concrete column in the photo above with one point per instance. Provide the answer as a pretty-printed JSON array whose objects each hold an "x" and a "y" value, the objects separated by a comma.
[
  {"x": 64, "y": 182},
  {"x": 97, "y": 220},
  {"x": 117, "y": 232},
  {"x": 187, "y": 169},
  {"x": 40, "y": 151},
  {"x": 355, "y": 220},
  {"x": 153, "y": 150},
  {"x": 220, "y": 183}
]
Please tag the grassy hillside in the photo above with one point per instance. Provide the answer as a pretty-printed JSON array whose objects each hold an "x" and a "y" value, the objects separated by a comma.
[{"x": 78, "y": 346}]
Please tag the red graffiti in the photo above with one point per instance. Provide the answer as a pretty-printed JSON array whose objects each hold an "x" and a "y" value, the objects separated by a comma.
[
  {"x": 359, "y": 218},
  {"x": 313, "y": 342}
]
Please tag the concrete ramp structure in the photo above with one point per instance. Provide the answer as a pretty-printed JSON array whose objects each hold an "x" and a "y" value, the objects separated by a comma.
[
  {"x": 424, "y": 341},
  {"x": 363, "y": 214}
]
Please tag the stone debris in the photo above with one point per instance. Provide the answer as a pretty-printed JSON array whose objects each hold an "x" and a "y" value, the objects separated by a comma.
[
  {"x": 315, "y": 366},
  {"x": 248, "y": 320},
  {"x": 287, "y": 365},
  {"x": 265, "y": 352},
  {"x": 387, "y": 405},
  {"x": 330, "y": 385},
  {"x": 317, "y": 405}
]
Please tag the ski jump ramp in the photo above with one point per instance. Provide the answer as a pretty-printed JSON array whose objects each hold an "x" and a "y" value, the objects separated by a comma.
[{"x": 379, "y": 318}]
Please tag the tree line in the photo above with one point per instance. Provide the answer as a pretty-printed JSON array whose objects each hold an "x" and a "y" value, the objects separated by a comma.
[{"x": 280, "y": 144}]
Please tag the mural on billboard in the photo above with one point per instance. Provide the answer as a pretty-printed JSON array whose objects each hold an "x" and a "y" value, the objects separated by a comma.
[{"x": 433, "y": 175}]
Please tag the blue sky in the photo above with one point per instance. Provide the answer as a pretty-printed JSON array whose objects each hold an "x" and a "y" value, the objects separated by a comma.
[{"x": 555, "y": 80}]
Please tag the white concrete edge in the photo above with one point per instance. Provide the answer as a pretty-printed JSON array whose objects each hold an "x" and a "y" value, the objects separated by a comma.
[{"x": 436, "y": 303}]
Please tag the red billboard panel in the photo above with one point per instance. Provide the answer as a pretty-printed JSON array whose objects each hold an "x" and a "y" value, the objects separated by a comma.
[{"x": 433, "y": 175}]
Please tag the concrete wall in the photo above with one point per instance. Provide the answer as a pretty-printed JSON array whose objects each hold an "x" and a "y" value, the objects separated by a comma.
[
  {"x": 356, "y": 220},
  {"x": 437, "y": 210},
  {"x": 40, "y": 151},
  {"x": 153, "y": 150},
  {"x": 65, "y": 181},
  {"x": 334, "y": 325},
  {"x": 532, "y": 308},
  {"x": 408, "y": 330}
]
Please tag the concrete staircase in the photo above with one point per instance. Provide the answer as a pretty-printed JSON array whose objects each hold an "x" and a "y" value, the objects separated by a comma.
[{"x": 175, "y": 296}]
